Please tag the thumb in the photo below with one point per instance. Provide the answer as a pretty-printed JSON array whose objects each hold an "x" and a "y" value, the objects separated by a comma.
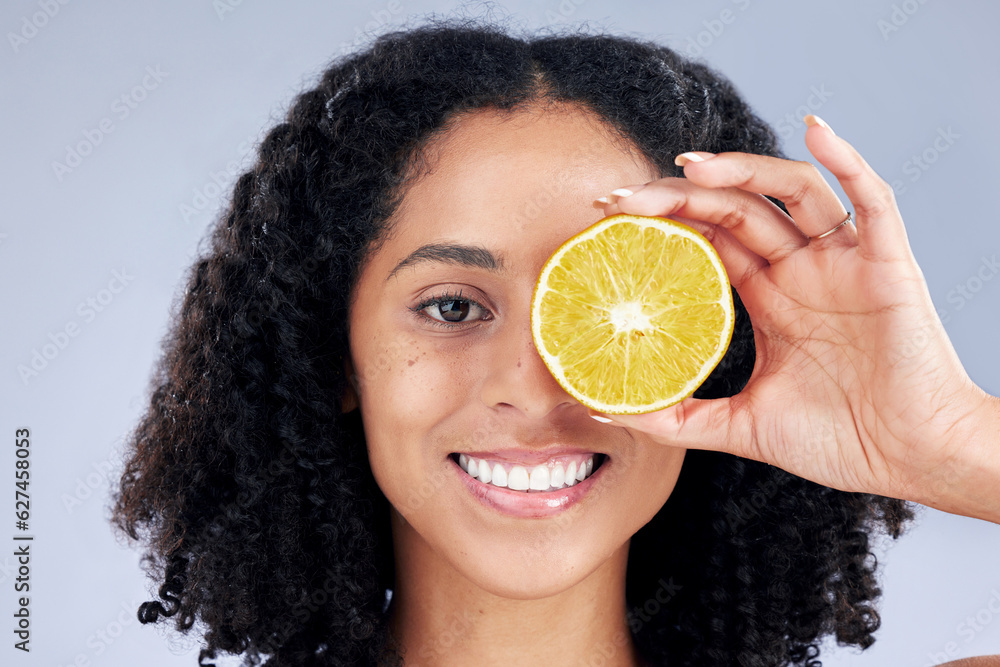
[{"x": 694, "y": 423}]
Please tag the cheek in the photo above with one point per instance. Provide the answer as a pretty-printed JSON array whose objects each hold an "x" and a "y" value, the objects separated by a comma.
[
  {"x": 412, "y": 383},
  {"x": 409, "y": 389},
  {"x": 653, "y": 470}
]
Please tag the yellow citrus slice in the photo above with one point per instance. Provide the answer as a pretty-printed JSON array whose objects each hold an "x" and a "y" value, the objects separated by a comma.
[{"x": 633, "y": 313}]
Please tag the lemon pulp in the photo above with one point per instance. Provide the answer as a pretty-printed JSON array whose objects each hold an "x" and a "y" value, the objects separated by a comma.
[{"x": 633, "y": 313}]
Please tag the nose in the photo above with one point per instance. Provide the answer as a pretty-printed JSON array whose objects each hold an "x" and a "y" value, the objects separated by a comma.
[{"x": 518, "y": 378}]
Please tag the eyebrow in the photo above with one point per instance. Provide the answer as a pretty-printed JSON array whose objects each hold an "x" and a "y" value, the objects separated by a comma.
[{"x": 476, "y": 257}]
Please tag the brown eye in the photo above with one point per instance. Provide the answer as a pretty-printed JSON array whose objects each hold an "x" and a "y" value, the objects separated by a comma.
[{"x": 452, "y": 310}]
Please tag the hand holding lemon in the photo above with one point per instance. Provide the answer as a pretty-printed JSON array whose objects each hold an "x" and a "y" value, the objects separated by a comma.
[{"x": 832, "y": 397}]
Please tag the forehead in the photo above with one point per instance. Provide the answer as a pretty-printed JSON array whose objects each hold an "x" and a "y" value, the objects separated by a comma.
[
  {"x": 556, "y": 141},
  {"x": 512, "y": 182}
]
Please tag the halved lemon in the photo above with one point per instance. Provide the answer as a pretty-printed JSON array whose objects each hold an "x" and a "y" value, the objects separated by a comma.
[{"x": 632, "y": 314}]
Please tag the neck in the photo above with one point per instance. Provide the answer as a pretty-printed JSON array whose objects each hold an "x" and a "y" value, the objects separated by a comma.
[{"x": 440, "y": 617}]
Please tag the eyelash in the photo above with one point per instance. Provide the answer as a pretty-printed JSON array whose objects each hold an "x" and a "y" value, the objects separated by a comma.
[{"x": 446, "y": 298}]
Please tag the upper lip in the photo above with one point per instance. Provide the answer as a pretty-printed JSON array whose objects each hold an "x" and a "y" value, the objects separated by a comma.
[{"x": 528, "y": 457}]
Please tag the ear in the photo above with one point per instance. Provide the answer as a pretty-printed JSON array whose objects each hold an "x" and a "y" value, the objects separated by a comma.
[{"x": 350, "y": 400}]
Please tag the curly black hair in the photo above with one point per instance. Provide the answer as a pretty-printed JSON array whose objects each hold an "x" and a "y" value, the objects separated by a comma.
[{"x": 251, "y": 488}]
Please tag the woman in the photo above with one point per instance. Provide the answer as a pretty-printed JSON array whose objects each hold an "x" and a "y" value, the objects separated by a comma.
[{"x": 359, "y": 334}]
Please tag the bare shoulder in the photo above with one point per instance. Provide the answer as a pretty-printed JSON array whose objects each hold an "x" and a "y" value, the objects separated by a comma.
[{"x": 981, "y": 661}]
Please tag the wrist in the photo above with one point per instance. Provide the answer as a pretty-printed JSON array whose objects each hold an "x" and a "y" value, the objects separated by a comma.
[{"x": 968, "y": 482}]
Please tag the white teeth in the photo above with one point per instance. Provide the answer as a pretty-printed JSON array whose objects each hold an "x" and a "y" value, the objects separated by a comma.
[
  {"x": 518, "y": 479},
  {"x": 499, "y": 475},
  {"x": 571, "y": 474},
  {"x": 540, "y": 477},
  {"x": 558, "y": 476}
]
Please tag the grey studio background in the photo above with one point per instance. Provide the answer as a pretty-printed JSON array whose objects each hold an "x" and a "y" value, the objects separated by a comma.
[{"x": 162, "y": 103}]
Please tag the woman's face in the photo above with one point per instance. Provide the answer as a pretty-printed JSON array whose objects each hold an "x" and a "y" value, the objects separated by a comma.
[{"x": 461, "y": 375}]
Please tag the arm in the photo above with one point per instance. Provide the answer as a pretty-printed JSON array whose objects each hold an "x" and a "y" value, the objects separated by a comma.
[
  {"x": 970, "y": 484},
  {"x": 980, "y": 661}
]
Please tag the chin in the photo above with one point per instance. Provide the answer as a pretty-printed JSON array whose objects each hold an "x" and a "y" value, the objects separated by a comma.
[{"x": 531, "y": 572}]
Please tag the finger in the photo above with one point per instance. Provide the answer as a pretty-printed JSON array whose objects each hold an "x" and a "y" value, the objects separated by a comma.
[
  {"x": 812, "y": 203},
  {"x": 741, "y": 263},
  {"x": 758, "y": 224},
  {"x": 716, "y": 424},
  {"x": 880, "y": 230}
]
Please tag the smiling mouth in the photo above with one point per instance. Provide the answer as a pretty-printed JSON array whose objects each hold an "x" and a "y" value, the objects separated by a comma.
[{"x": 560, "y": 474}]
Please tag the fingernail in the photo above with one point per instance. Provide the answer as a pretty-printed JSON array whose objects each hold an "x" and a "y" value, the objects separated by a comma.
[
  {"x": 684, "y": 158},
  {"x": 598, "y": 417},
  {"x": 812, "y": 119},
  {"x": 619, "y": 193}
]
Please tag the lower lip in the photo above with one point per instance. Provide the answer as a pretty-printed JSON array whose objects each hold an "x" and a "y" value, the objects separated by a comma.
[{"x": 530, "y": 505}]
